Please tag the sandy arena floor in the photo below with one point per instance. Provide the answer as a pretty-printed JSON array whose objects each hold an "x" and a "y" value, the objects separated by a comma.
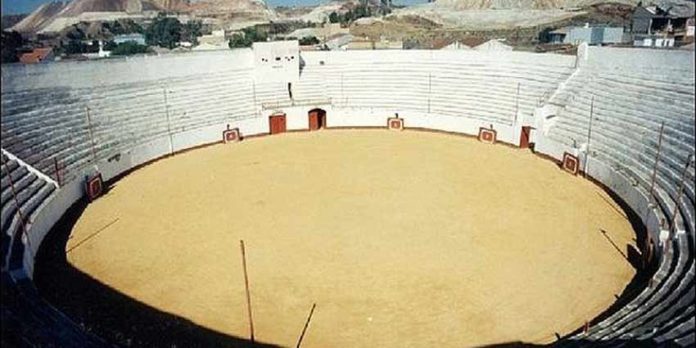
[{"x": 403, "y": 239}]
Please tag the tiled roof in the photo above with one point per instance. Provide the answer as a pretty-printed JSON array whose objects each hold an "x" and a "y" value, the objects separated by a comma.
[{"x": 35, "y": 56}]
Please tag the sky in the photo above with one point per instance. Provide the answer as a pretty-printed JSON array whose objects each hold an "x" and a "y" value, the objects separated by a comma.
[{"x": 26, "y": 6}]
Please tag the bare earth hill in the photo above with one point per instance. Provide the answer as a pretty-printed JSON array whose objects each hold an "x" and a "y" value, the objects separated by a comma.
[
  {"x": 510, "y": 14},
  {"x": 40, "y": 18},
  {"x": 55, "y": 16},
  {"x": 522, "y": 4},
  {"x": 244, "y": 9}
]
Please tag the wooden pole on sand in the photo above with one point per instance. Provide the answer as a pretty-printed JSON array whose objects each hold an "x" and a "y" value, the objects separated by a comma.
[
  {"x": 306, "y": 325},
  {"x": 248, "y": 295}
]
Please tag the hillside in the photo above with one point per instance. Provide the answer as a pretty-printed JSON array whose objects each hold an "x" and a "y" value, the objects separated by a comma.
[
  {"x": 321, "y": 12},
  {"x": 547, "y": 4},
  {"x": 9, "y": 21},
  {"x": 523, "y": 4},
  {"x": 508, "y": 14},
  {"x": 55, "y": 16},
  {"x": 77, "y": 7},
  {"x": 39, "y": 18},
  {"x": 246, "y": 9}
]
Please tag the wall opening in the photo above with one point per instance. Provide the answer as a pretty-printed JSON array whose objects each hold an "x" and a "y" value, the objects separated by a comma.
[{"x": 317, "y": 119}]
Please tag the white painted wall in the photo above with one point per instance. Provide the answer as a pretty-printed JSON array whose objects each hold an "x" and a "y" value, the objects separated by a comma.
[
  {"x": 297, "y": 119},
  {"x": 276, "y": 61}
]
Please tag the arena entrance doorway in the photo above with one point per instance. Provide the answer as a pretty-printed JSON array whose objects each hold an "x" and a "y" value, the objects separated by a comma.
[
  {"x": 277, "y": 123},
  {"x": 524, "y": 137},
  {"x": 317, "y": 119}
]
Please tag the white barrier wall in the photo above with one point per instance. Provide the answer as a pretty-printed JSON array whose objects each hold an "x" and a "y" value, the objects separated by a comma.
[
  {"x": 47, "y": 216},
  {"x": 612, "y": 179},
  {"x": 297, "y": 119}
]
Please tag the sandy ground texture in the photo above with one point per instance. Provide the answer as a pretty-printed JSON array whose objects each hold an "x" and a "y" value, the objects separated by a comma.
[{"x": 402, "y": 239}]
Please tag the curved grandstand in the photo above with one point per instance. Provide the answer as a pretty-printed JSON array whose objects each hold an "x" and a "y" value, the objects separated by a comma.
[{"x": 626, "y": 115}]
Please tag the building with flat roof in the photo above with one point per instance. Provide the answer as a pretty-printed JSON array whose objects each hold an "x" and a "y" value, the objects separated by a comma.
[
  {"x": 589, "y": 35},
  {"x": 661, "y": 26}
]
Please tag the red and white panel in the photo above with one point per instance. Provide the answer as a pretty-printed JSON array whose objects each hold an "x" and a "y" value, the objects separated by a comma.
[
  {"x": 94, "y": 186},
  {"x": 571, "y": 164},
  {"x": 395, "y": 123},
  {"x": 487, "y": 135},
  {"x": 231, "y": 135}
]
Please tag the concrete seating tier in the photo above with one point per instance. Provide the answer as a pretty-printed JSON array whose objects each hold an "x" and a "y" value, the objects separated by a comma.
[
  {"x": 121, "y": 115},
  {"x": 45, "y": 110},
  {"x": 625, "y": 129},
  {"x": 477, "y": 87},
  {"x": 628, "y": 105},
  {"x": 23, "y": 193}
]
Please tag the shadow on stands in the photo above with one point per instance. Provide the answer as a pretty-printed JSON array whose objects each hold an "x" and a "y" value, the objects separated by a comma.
[{"x": 106, "y": 312}]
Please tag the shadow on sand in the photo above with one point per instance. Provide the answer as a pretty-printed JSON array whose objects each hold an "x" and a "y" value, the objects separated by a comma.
[
  {"x": 108, "y": 313},
  {"x": 124, "y": 321}
]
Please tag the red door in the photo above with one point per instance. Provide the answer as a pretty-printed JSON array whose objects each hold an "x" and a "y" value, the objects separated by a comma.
[
  {"x": 317, "y": 119},
  {"x": 524, "y": 137},
  {"x": 277, "y": 124},
  {"x": 313, "y": 120}
]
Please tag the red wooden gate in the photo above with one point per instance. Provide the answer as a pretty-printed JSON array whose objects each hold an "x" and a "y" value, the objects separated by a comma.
[
  {"x": 317, "y": 119},
  {"x": 524, "y": 137},
  {"x": 277, "y": 124}
]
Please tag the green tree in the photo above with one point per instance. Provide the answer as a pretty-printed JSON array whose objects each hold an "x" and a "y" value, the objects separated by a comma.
[
  {"x": 11, "y": 42},
  {"x": 129, "y": 48},
  {"x": 75, "y": 33},
  {"x": 123, "y": 26},
  {"x": 191, "y": 31},
  {"x": 74, "y": 47},
  {"x": 239, "y": 40},
  {"x": 309, "y": 40},
  {"x": 110, "y": 45},
  {"x": 334, "y": 17},
  {"x": 361, "y": 11},
  {"x": 248, "y": 36},
  {"x": 163, "y": 32},
  {"x": 347, "y": 17},
  {"x": 254, "y": 34}
]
